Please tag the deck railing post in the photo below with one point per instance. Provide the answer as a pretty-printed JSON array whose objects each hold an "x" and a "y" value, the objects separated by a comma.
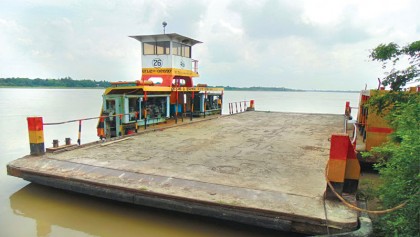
[
  {"x": 80, "y": 133},
  {"x": 36, "y": 135},
  {"x": 205, "y": 103},
  {"x": 192, "y": 105}
]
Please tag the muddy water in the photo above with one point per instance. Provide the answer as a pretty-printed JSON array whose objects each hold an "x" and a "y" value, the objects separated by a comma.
[{"x": 32, "y": 210}]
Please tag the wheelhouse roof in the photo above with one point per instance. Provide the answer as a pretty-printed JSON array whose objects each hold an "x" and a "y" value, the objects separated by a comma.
[{"x": 166, "y": 37}]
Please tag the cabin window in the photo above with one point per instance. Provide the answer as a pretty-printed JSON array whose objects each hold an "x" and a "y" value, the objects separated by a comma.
[
  {"x": 162, "y": 47},
  {"x": 187, "y": 51},
  {"x": 176, "y": 48},
  {"x": 110, "y": 106},
  {"x": 180, "y": 81},
  {"x": 156, "y": 108},
  {"x": 148, "y": 48},
  {"x": 133, "y": 106},
  {"x": 156, "y": 80},
  {"x": 156, "y": 48},
  {"x": 181, "y": 50}
]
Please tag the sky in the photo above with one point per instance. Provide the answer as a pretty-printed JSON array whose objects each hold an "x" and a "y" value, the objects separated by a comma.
[{"x": 300, "y": 44}]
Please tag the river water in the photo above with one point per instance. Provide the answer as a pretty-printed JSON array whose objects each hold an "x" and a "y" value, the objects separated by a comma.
[{"x": 33, "y": 210}]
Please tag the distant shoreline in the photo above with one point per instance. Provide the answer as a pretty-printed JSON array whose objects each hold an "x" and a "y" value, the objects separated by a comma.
[
  {"x": 69, "y": 83},
  {"x": 47, "y": 87},
  {"x": 240, "y": 89}
]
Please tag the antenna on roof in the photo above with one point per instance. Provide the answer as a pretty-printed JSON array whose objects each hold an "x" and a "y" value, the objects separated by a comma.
[{"x": 164, "y": 25}]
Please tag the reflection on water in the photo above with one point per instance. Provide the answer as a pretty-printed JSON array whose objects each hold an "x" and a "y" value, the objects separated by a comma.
[
  {"x": 41, "y": 211},
  {"x": 51, "y": 208}
]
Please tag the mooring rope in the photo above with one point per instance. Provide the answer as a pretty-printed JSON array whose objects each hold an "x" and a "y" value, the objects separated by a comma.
[{"x": 351, "y": 206}]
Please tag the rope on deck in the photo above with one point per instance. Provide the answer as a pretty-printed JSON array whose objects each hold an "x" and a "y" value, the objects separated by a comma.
[{"x": 353, "y": 207}]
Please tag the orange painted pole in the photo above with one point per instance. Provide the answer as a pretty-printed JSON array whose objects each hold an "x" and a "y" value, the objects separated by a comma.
[
  {"x": 36, "y": 136},
  {"x": 100, "y": 129},
  {"x": 251, "y": 104}
]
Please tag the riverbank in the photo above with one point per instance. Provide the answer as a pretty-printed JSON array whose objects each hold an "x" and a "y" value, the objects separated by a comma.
[{"x": 68, "y": 82}]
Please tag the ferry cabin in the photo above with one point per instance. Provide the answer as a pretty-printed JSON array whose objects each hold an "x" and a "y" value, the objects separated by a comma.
[{"x": 165, "y": 91}]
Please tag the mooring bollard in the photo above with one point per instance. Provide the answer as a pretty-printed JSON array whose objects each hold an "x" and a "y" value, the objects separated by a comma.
[
  {"x": 337, "y": 163},
  {"x": 251, "y": 106},
  {"x": 352, "y": 175},
  {"x": 55, "y": 143},
  {"x": 36, "y": 135}
]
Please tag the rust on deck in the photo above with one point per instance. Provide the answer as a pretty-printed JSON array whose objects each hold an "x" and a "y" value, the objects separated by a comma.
[{"x": 259, "y": 168}]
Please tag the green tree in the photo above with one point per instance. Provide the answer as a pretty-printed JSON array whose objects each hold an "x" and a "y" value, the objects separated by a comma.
[
  {"x": 63, "y": 82},
  {"x": 399, "y": 167},
  {"x": 398, "y": 78}
]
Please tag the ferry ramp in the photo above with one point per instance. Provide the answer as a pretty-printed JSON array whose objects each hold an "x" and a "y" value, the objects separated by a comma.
[{"x": 258, "y": 168}]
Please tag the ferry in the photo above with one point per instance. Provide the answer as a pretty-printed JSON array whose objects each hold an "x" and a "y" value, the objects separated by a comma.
[
  {"x": 165, "y": 91},
  {"x": 165, "y": 144}
]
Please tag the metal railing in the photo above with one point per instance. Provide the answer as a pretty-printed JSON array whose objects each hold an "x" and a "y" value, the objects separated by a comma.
[
  {"x": 102, "y": 118},
  {"x": 238, "y": 107},
  {"x": 347, "y": 118}
]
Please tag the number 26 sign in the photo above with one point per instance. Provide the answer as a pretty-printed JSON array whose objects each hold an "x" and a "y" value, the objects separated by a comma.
[{"x": 157, "y": 63}]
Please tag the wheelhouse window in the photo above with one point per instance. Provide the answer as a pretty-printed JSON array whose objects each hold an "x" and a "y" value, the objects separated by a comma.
[
  {"x": 162, "y": 47},
  {"x": 181, "y": 50},
  {"x": 176, "y": 48},
  {"x": 148, "y": 48},
  {"x": 187, "y": 51},
  {"x": 156, "y": 48}
]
